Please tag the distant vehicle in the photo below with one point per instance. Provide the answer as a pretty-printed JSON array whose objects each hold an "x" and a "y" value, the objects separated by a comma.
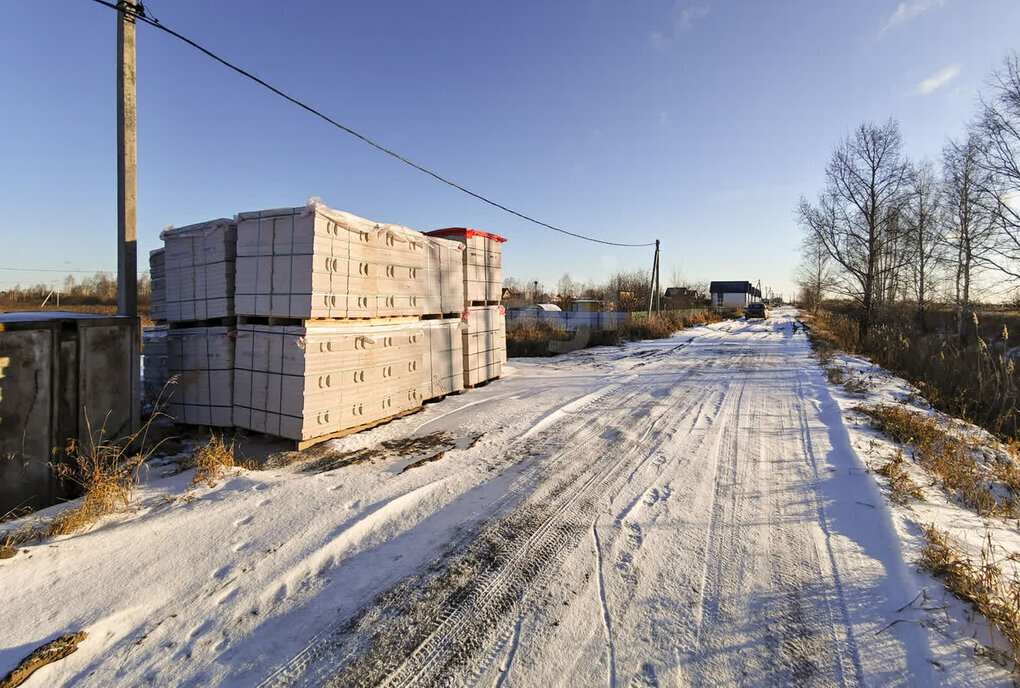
[{"x": 756, "y": 310}]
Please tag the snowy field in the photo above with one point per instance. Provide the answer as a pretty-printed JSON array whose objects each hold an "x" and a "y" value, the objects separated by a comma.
[{"x": 688, "y": 511}]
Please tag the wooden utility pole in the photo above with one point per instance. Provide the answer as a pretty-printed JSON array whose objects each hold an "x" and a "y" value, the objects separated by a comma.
[
  {"x": 127, "y": 159},
  {"x": 658, "y": 286},
  {"x": 653, "y": 288}
]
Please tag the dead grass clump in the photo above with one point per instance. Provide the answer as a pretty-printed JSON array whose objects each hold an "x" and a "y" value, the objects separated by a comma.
[
  {"x": 904, "y": 426},
  {"x": 855, "y": 384},
  {"x": 949, "y": 459},
  {"x": 107, "y": 472},
  {"x": 982, "y": 583},
  {"x": 900, "y": 482},
  {"x": 835, "y": 375},
  {"x": 12, "y": 540},
  {"x": 212, "y": 460}
]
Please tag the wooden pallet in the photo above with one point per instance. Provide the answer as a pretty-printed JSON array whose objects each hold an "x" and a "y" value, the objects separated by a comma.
[
  {"x": 212, "y": 322},
  {"x": 478, "y": 304},
  {"x": 301, "y": 445},
  {"x": 327, "y": 322},
  {"x": 441, "y": 316},
  {"x": 454, "y": 393}
]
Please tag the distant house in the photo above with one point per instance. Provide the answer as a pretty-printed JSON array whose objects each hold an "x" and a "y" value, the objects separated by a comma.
[
  {"x": 733, "y": 294},
  {"x": 676, "y": 298},
  {"x": 513, "y": 298}
]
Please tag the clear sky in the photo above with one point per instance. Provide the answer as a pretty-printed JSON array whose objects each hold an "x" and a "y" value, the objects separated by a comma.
[{"x": 697, "y": 123}]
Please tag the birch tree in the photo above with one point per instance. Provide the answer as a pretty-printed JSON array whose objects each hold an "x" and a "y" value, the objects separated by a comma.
[
  {"x": 857, "y": 218},
  {"x": 971, "y": 226},
  {"x": 998, "y": 127}
]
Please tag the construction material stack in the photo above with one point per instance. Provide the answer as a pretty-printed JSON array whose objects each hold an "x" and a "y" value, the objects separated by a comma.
[
  {"x": 155, "y": 365},
  {"x": 308, "y": 322},
  {"x": 154, "y": 346},
  {"x": 157, "y": 282},
  {"x": 199, "y": 264},
  {"x": 341, "y": 321},
  {"x": 484, "y": 334},
  {"x": 484, "y": 344},
  {"x": 199, "y": 269}
]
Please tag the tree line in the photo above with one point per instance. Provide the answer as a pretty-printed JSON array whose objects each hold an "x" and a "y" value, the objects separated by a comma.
[
  {"x": 886, "y": 230},
  {"x": 95, "y": 290},
  {"x": 627, "y": 291}
]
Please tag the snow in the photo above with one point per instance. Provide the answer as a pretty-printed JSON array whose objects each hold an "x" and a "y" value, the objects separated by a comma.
[{"x": 695, "y": 510}]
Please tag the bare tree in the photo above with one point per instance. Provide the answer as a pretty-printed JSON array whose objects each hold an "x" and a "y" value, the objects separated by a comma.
[
  {"x": 857, "y": 218},
  {"x": 630, "y": 289},
  {"x": 924, "y": 233},
  {"x": 566, "y": 288},
  {"x": 814, "y": 275},
  {"x": 513, "y": 284},
  {"x": 998, "y": 126},
  {"x": 971, "y": 226}
]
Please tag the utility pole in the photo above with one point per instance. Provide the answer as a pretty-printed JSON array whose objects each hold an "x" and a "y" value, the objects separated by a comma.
[
  {"x": 658, "y": 286},
  {"x": 653, "y": 288},
  {"x": 127, "y": 163}
]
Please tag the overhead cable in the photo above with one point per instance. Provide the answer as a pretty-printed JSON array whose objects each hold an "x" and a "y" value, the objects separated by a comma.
[{"x": 138, "y": 13}]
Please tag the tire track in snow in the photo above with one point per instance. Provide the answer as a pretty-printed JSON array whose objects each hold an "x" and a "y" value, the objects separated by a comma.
[
  {"x": 715, "y": 506},
  {"x": 318, "y": 661},
  {"x": 606, "y": 620},
  {"x": 565, "y": 534},
  {"x": 515, "y": 642},
  {"x": 572, "y": 407},
  {"x": 850, "y": 640},
  {"x": 426, "y": 662}
]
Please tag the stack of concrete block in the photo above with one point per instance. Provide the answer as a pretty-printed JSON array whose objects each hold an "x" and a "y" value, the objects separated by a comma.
[
  {"x": 199, "y": 262},
  {"x": 302, "y": 382},
  {"x": 483, "y": 263},
  {"x": 445, "y": 275},
  {"x": 484, "y": 348},
  {"x": 157, "y": 280},
  {"x": 341, "y": 322},
  {"x": 315, "y": 262},
  {"x": 155, "y": 368},
  {"x": 203, "y": 360},
  {"x": 444, "y": 356}
]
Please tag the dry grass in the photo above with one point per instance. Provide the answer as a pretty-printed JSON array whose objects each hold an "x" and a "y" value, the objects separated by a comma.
[
  {"x": 542, "y": 339},
  {"x": 951, "y": 461},
  {"x": 967, "y": 378},
  {"x": 855, "y": 384},
  {"x": 902, "y": 485},
  {"x": 982, "y": 583},
  {"x": 12, "y": 540},
  {"x": 212, "y": 460},
  {"x": 107, "y": 472}
]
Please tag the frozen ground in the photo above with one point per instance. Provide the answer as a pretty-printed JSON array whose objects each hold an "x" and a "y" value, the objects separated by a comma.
[{"x": 690, "y": 511}]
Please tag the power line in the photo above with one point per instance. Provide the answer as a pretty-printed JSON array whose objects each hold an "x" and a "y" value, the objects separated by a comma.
[
  {"x": 90, "y": 272},
  {"x": 138, "y": 12}
]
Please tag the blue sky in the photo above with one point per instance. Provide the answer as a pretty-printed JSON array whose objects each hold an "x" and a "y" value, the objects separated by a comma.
[{"x": 697, "y": 123}]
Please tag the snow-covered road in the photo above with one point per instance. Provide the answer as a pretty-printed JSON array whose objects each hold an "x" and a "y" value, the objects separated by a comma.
[{"x": 687, "y": 511}]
